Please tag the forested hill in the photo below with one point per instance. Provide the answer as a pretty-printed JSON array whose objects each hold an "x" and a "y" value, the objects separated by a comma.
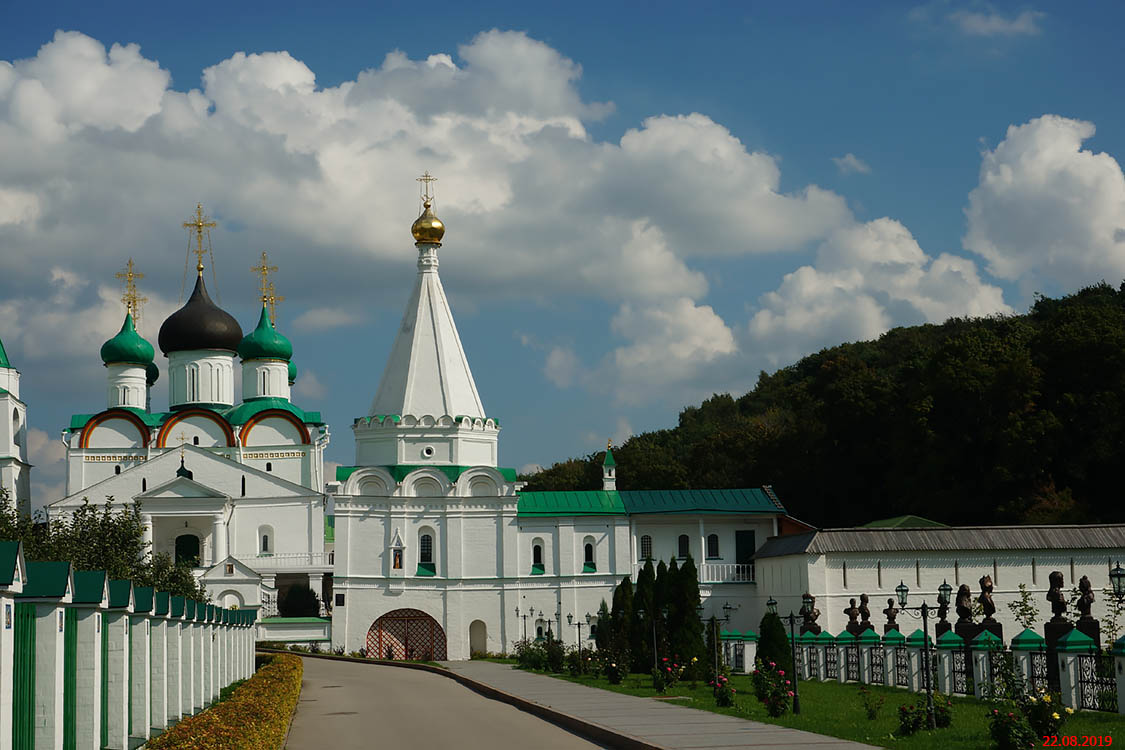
[{"x": 1016, "y": 419}]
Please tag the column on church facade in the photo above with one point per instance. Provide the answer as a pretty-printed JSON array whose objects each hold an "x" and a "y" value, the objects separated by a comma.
[
  {"x": 218, "y": 539},
  {"x": 146, "y": 519}
]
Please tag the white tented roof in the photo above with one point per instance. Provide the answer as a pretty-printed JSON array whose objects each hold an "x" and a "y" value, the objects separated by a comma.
[{"x": 428, "y": 373}]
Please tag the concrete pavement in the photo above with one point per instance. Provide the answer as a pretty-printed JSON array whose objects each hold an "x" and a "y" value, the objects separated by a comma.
[
  {"x": 652, "y": 721},
  {"x": 346, "y": 706}
]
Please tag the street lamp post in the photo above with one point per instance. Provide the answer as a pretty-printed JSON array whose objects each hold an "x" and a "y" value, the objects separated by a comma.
[
  {"x": 641, "y": 614},
  {"x": 791, "y": 618},
  {"x": 1117, "y": 580},
  {"x": 927, "y": 665},
  {"x": 570, "y": 621},
  {"x": 524, "y": 616}
]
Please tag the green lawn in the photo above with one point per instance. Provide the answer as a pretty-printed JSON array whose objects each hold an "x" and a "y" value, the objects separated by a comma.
[{"x": 834, "y": 709}]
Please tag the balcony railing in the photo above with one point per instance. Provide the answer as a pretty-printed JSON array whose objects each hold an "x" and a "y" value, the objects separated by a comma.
[
  {"x": 278, "y": 560},
  {"x": 718, "y": 573}
]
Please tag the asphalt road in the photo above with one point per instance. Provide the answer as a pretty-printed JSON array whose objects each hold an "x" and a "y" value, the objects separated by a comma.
[{"x": 345, "y": 705}]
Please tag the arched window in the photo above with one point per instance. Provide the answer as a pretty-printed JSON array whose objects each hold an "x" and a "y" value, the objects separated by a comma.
[
  {"x": 187, "y": 549},
  {"x": 426, "y": 548},
  {"x": 195, "y": 440},
  {"x": 646, "y": 547},
  {"x": 588, "y": 560},
  {"x": 266, "y": 540},
  {"x": 265, "y": 543},
  {"x": 144, "y": 484},
  {"x": 244, "y": 485},
  {"x": 117, "y": 469},
  {"x": 269, "y": 466},
  {"x": 538, "y": 632},
  {"x": 683, "y": 546},
  {"x": 712, "y": 545},
  {"x": 537, "y": 568}
]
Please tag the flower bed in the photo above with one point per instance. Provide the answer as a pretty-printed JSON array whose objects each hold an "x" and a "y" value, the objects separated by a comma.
[{"x": 255, "y": 717}]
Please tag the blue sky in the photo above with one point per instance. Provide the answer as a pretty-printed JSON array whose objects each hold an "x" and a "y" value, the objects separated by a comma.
[{"x": 644, "y": 206}]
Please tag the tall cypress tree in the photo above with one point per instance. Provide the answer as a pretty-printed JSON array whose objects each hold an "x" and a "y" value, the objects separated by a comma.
[
  {"x": 604, "y": 635},
  {"x": 659, "y": 604},
  {"x": 643, "y": 599},
  {"x": 622, "y": 616},
  {"x": 688, "y": 636},
  {"x": 675, "y": 604}
]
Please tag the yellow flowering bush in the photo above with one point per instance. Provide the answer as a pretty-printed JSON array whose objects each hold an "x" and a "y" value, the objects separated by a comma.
[{"x": 255, "y": 716}]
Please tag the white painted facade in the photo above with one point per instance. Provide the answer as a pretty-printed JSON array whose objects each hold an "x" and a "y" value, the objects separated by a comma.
[
  {"x": 835, "y": 578},
  {"x": 15, "y": 471}
]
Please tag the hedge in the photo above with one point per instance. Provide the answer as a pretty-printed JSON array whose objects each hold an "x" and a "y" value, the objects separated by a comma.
[{"x": 255, "y": 717}]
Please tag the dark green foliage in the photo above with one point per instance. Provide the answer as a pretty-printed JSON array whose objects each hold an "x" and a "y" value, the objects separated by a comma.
[
  {"x": 773, "y": 645},
  {"x": 298, "y": 601},
  {"x": 623, "y": 624},
  {"x": 603, "y": 638},
  {"x": 1023, "y": 414},
  {"x": 107, "y": 537},
  {"x": 556, "y": 653},
  {"x": 685, "y": 628},
  {"x": 642, "y": 626},
  {"x": 710, "y": 627}
]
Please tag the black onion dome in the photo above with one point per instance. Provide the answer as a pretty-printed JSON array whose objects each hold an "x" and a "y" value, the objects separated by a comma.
[{"x": 199, "y": 324}]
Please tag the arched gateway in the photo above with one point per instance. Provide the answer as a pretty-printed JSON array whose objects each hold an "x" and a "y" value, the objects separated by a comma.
[{"x": 406, "y": 634}]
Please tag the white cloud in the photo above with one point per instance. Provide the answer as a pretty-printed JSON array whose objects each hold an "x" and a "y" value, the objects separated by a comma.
[
  {"x": 867, "y": 278},
  {"x": 308, "y": 386},
  {"x": 562, "y": 366},
  {"x": 18, "y": 206},
  {"x": 851, "y": 164},
  {"x": 325, "y": 319},
  {"x": 994, "y": 23},
  {"x": 1046, "y": 212},
  {"x": 47, "y": 455}
]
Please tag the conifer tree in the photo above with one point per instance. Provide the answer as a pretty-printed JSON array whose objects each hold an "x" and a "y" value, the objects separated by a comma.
[
  {"x": 687, "y": 638},
  {"x": 773, "y": 645},
  {"x": 659, "y": 604},
  {"x": 604, "y": 635},
  {"x": 643, "y": 599},
  {"x": 622, "y": 616}
]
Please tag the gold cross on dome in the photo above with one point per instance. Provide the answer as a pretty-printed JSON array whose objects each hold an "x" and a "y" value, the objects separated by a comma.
[
  {"x": 199, "y": 225},
  {"x": 271, "y": 299},
  {"x": 426, "y": 179},
  {"x": 264, "y": 270},
  {"x": 132, "y": 300},
  {"x": 182, "y": 437}
]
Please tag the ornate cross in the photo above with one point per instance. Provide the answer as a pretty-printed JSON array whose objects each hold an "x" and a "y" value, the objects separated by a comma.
[
  {"x": 199, "y": 225},
  {"x": 182, "y": 437},
  {"x": 131, "y": 299},
  {"x": 426, "y": 179},
  {"x": 265, "y": 286}
]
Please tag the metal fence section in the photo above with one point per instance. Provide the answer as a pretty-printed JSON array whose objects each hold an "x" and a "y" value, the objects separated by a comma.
[
  {"x": 1097, "y": 685},
  {"x": 902, "y": 667},
  {"x": 851, "y": 661},
  {"x": 1039, "y": 675},
  {"x": 960, "y": 671},
  {"x": 813, "y": 662},
  {"x": 878, "y": 670},
  {"x": 831, "y": 663}
]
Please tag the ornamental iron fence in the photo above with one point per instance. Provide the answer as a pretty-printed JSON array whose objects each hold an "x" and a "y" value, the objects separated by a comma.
[
  {"x": 1097, "y": 685},
  {"x": 851, "y": 661},
  {"x": 960, "y": 671},
  {"x": 812, "y": 662},
  {"x": 902, "y": 667},
  {"x": 1039, "y": 677},
  {"x": 878, "y": 671},
  {"x": 831, "y": 664}
]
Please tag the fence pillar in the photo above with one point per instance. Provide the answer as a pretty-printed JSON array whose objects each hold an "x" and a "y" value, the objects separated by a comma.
[
  {"x": 1068, "y": 648},
  {"x": 49, "y": 624},
  {"x": 1118, "y": 652},
  {"x": 158, "y": 714},
  {"x": 948, "y": 644},
  {"x": 8, "y": 647},
  {"x": 892, "y": 641},
  {"x": 116, "y": 625},
  {"x": 843, "y": 642},
  {"x": 749, "y": 643},
  {"x": 914, "y": 645},
  {"x": 88, "y": 696},
  {"x": 173, "y": 709}
]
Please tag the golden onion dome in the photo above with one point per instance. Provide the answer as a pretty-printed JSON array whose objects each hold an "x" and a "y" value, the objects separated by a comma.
[{"x": 427, "y": 228}]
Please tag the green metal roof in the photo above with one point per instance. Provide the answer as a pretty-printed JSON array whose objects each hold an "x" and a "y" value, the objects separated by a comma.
[
  {"x": 189, "y": 609},
  {"x": 161, "y": 603},
  {"x": 142, "y": 598},
  {"x": 330, "y": 529},
  {"x": 247, "y": 409},
  {"x": 400, "y": 471},
  {"x": 609, "y": 458},
  {"x": 120, "y": 592},
  {"x": 4, "y": 357},
  {"x": 127, "y": 347},
  {"x": 264, "y": 342},
  {"x": 46, "y": 580},
  {"x": 578, "y": 503},
  {"x": 751, "y": 500},
  {"x": 903, "y": 522},
  {"x": 1028, "y": 640},
  {"x": 177, "y": 606},
  {"x": 151, "y": 419},
  {"x": 9, "y": 555},
  {"x": 89, "y": 586}
]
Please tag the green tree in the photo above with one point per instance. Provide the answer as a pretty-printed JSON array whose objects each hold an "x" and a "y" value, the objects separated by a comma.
[
  {"x": 687, "y": 637},
  {"x": 603, "y": 637},
  {"x": 643, "y": 600},
  {"x": 773, "y": 645},
  {"x": 622, "y": 616},
  {"x": 660, "y": 607},
  {"x": 298, "y": 601}
]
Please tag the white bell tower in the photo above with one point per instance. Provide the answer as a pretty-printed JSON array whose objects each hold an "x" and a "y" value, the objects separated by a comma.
[{"x": 15, "y": 471}]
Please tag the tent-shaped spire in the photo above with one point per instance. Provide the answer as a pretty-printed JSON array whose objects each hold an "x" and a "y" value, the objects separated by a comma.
[
  {"x": 428, "y": 373},
  {"x": 4, "y": 357}
]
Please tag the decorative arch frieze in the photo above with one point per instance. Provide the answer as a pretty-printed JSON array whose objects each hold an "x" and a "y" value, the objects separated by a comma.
[
  {"x": 128, "y": 416},
  {"x": 302, "y": 430},
  {"x": 166, "y": 428}
]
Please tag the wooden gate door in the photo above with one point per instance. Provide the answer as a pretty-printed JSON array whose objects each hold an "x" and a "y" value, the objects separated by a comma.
[
  {"x": 23, "y": 687},
  {"x": 406, "y": 634}
]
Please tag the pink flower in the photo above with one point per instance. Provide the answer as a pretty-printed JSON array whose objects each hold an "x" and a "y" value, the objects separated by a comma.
[
  {"x": 790, "y": 693},
  {"x": 668, "y": 668},
  {"x": 772, "y": 664},
  {"x": 787, "y": 682},
  {"x": 733, "y": 690},
  {"x": 781, "y": 672}
]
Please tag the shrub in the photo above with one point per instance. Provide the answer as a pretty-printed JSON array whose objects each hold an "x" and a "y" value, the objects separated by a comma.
[
  {"x": 255, "y": 716},
  {"x": 723, "y": 691},
  {"x": 530, "y": 655},
  {"x": 912, "y": 716},
  {"x": 871, "y": 702},
  {"x": 773, "y": 644},
  {"x": 943, "y": 711},
  {"x": 1045, "y": 713},
  {"x": 773, "y": 686},
  {"x": 667, "y": 674},
  {"x": 615, "y": 672},
  {"x": 576, "y": 662},
  {"x": 555, "y": 652},
  {"x": 1010, "y": 731},
  {"x": 298, "y": 601}
]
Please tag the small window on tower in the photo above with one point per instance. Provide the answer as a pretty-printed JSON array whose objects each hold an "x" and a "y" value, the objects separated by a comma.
[
  {"x": 244, "y": 485},
  {"x": 230, "y": 569},
  {"x": 265, "y": 543},
  {"x": 144, "y": 485},
  {"x": 269, "y": 466},
  {"x": 195, "y": 440},
  {"x": 117, "y": 469}
]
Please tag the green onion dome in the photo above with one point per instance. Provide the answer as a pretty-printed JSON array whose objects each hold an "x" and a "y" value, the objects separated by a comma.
[
  {"x": 127, "y": 347},
  {"x": 264, "y": 342},
  {"x": 292, "y": 373},
  {"x": 152, "y": 373}
]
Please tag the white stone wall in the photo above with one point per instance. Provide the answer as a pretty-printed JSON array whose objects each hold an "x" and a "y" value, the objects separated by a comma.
[{"x": 787, "y": 577}]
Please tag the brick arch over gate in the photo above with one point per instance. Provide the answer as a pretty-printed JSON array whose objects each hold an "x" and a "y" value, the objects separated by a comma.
[{"x": 406, "y": 634}]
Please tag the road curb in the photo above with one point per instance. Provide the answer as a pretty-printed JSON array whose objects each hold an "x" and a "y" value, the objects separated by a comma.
[{"x": 594, "y": 732}]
